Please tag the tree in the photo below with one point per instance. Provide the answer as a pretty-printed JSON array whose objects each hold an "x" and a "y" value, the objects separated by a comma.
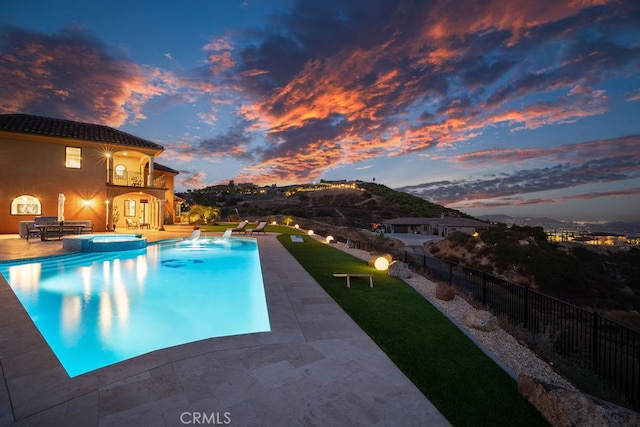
[{"x": 203, "y": 214}]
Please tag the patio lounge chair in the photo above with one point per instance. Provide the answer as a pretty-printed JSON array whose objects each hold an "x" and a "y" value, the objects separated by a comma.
[
  {"x": 131, "y": 223},
  {"x": 260, "y": 228},
  {"x": 195, "y": 234},
  {"x": 241, "y": 228}
]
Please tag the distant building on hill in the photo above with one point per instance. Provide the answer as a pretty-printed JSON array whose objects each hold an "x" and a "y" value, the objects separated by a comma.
[
  {"x": 442, "y": 226},
  {"x": 607, "y": 239}
]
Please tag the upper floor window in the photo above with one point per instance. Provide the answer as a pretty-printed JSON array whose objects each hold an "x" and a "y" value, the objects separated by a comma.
[
  {"x": 73, "y": 157},
  {"x": 121, "y": 171},
  {"x": 26, "y": 205}
]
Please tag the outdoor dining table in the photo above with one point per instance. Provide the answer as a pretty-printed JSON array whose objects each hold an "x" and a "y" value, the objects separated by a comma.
[{"x": 48, "y": 230}]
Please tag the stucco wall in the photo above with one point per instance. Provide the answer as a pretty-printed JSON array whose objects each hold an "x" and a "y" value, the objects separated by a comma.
[{"x": 37, "y": 168}]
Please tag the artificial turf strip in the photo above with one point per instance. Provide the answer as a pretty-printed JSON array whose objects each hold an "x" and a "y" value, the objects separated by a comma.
[{"x": 466, "y": 386}]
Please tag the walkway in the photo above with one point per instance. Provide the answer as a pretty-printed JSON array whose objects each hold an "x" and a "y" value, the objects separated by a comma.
[{"x": 315, "y": 367}]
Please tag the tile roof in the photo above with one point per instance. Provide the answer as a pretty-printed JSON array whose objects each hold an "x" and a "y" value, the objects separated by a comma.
[
  {"x": 161, "y": 167},
  {"x": 26, "y": 123}
]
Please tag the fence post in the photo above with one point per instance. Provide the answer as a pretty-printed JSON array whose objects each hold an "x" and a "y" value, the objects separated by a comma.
[
  {"x": 450, "y": 273},
  {"x": 424, "y": 261},
  {"x": 525, "y": 313},
  {"x": 594, "y": 341},
  {"x": 484, "y": 288},
  {"x": 405, "y": 257}
]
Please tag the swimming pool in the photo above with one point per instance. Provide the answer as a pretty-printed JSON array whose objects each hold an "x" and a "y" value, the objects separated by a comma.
[{"x": 97, "y": 309}]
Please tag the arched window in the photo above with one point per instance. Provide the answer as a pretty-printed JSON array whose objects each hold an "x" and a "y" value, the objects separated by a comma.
[
  {"x": 26, "y": 205},
  {"x": 121, "y": 171}
]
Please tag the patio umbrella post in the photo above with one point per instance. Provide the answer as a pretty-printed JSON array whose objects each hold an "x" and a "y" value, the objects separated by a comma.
[{"x": 61, "y": 200}]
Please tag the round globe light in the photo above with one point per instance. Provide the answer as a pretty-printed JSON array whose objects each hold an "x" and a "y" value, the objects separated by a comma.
[
  {"x": 310, "y": 232},
  {"x": 381, "y": 263},
  {"x": 328, "y": 239}
]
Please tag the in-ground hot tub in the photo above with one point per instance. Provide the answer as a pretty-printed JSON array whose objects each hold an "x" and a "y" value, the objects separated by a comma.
[{"x": 103, "y": 242}]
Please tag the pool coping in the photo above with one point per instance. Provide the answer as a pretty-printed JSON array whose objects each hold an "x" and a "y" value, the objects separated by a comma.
[{"x": 315, "y": 366}]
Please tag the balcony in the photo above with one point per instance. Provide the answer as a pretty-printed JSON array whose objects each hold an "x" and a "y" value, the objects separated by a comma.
[{"x": 138, "y": 179}]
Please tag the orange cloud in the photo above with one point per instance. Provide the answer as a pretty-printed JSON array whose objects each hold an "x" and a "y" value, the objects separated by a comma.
[
  {"x": 73, "y": 76},
  {"x": 456, "y": 19}
]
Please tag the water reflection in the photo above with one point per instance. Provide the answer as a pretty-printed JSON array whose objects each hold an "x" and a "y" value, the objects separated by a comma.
[
  {"x": 26, "y": 278},
  {"x": 70, "y": 317}
]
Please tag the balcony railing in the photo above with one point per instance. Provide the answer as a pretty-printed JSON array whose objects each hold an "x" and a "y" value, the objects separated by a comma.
[
  {"x": 160, "y": 181},
  {"x": 137, "y": 179}
]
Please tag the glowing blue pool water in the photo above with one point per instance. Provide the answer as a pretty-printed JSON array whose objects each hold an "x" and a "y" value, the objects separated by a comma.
[{"x": 102, "y": 308}]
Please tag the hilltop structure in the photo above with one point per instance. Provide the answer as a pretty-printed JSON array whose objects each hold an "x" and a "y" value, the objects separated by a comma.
[{"x": 441, "y": 226}]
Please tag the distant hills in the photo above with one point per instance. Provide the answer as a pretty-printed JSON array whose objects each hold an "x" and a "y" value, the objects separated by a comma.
[
  {"x": 343, "y": 203},
  {"x": 631, "y": 228},
  {"x": 358, "y": 204}
]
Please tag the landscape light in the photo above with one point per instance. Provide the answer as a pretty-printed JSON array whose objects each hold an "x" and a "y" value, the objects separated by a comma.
[
  {"x": 328, "y": 239},
  {"x": 310, "y": 232},
  {"x": 382, "y": 262},
  {"x": 296, "y": 226}
]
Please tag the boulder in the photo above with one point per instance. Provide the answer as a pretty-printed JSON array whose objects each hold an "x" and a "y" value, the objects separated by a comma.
[
  {"x": 399, "y": 269},
  {"x": 562, "y": 407},
  {"x": 444, "y": 292},
  {"x": 481, "y": 320}
]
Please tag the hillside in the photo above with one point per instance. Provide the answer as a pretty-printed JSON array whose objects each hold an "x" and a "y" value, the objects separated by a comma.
[
  {"x": 604, "y": 280},
  {"x": 360, "y": 206}
]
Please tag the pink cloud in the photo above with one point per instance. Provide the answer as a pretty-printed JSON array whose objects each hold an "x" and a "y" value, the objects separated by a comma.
[
  {"x": 584, "y": 151},
  {"x": 192, "y": 179},
  {"x": 488, "y": 203}
]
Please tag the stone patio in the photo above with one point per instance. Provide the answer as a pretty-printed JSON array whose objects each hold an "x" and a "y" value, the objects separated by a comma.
[{"x": 315, "y": 367}]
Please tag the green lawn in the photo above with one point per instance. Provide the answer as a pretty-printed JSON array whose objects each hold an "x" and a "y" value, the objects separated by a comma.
[{"x": 452, "y": 372}]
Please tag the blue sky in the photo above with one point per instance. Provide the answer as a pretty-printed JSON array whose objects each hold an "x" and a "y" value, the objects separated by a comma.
[{"x": 487, "y": 106}]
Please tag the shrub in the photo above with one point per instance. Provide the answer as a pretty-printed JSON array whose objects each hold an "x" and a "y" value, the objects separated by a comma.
[{"x": 458, "y": 238}]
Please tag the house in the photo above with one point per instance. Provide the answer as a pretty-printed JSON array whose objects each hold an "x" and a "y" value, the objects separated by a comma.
[
  {"x": 608, "y": 239},
  {"x": 101, "y": 174},
  {"x": 442, "y": 226}
]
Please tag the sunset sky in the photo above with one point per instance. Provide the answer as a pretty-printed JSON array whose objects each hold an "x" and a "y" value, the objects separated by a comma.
[{"x": 527, "y": 108}]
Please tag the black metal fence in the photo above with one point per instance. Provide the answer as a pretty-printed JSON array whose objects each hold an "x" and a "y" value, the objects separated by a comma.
[{"x": 595, "y": 344}]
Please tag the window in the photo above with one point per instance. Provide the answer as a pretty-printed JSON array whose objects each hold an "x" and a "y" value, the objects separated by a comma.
[
  {"x": 26, "y": 205},
  {"x": 73, "y": 157},
  {"x": 121, "y": 171},
  {"x": 129, "y": 207}
]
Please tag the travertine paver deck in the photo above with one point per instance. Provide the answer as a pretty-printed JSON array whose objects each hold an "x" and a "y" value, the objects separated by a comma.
[{"x": 315, "y": 367}]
